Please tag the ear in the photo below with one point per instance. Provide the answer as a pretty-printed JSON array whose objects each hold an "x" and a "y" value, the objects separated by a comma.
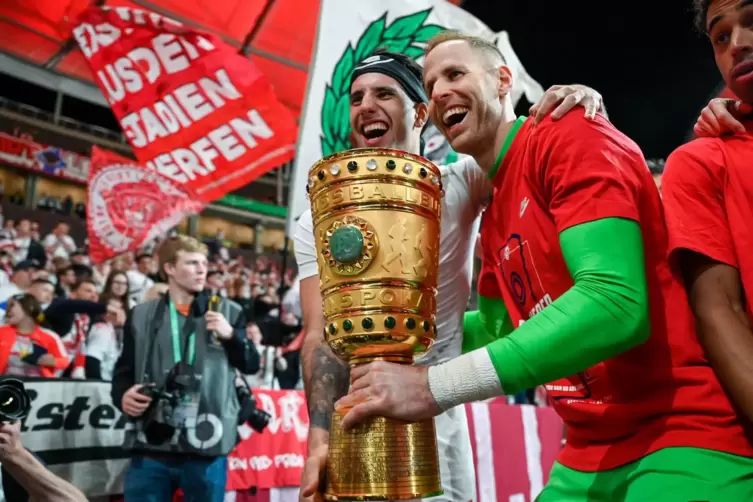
[
  {"x": 168, "y": 269},
  {"x": 421, "y": 115},
  {"x": 504, "y": 81}
]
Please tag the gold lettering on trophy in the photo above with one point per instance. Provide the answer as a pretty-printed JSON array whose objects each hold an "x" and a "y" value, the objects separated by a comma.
[
  {"x": 387, "y": 297},
  {"x": 398, "y": 237},
  {"x": 324, "y": 276},
  {"x": 337, "y": 196},
  {"x": 425, "y": 200},
  {"x": 366, "y": 297},
  {"x": 346, "y": 301},
  {"x": 356, "y": 192},
  {"x": 377, "y": 192}
]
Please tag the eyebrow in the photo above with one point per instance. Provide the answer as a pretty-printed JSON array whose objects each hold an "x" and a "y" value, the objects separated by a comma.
[
  {"x": 741, "y": 5},
  {"x": 381, "y": 88}
]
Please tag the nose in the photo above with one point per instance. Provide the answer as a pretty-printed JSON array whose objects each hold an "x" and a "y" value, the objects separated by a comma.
[
  {"x": 440, "y": 92},
  {"x": 741, "y": 42},
  {"x": 368, "y": 103}
]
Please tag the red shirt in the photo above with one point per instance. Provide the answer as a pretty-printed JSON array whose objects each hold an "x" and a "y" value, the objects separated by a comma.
[
  {"x": 708, "y": 200},
  {"x": 15, "y": 346},
  {"x": 662, "y": 393}
]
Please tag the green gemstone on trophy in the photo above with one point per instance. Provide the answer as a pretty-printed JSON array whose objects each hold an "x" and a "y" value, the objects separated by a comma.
[
  {"x": 410, "y": 323},
  {"x": 346, "y": 244},
  {"x": 390, "y": 323},
  {"x": 367, "y": 323},
  {"x": 348, "y": 325}
]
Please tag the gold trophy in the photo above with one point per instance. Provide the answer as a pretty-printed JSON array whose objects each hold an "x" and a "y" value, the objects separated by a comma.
[{"x": 376, "y": 226}]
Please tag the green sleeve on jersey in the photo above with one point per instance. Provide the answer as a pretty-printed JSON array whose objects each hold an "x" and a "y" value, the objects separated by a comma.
[
  {"x": 605, "y": 313},
  {"x": 481, "y": 327}
]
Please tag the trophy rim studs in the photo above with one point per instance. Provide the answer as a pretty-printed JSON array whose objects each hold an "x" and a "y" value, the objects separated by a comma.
[
  {"x": 426, "y": 326},
  {"x": 390, "y": 322},
  {"x": 332, "y": 328},
  {"x": 320, "y": 175},
  {"x": 391, "y": 164},
  {"x": 410, "y": 323},
  {"x": 348, "y": 325},
  {"x": 423, "y": 172},
  {"x": 352, "y": 166},
  {"x": 367, "y": 323}
]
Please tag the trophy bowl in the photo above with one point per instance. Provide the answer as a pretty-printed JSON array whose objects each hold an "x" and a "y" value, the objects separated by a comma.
[{"x": 376, "y": 219}]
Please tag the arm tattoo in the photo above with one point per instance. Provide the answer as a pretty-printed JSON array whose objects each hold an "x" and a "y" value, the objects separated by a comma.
[{"x": 328, "y": 382}]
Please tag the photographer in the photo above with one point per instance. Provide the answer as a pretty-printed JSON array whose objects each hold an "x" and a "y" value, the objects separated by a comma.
[{"x": 175, "y": 379}]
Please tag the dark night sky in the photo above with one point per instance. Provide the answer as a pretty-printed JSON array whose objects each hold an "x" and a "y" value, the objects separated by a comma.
[{"x": 655, "y": 71}]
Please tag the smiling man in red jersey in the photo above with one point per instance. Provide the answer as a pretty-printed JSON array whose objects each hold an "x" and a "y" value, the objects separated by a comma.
[
  {"x": 708, "y": 200},
  {"x": 575, "y": 256}
]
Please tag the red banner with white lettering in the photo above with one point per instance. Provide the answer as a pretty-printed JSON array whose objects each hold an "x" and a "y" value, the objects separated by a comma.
[
  {"x": 275, "y": 457},
  {"x": 192, "y": 108},
  {"x": 129, "y": 205},
  {"x": 25, "y": 153}
]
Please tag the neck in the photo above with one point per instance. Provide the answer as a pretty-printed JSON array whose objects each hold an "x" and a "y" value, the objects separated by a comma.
[
  {"x": 178, "y": 295},
  {"x": 487, "y": 157},
  {"x": 25, "y": 327}
]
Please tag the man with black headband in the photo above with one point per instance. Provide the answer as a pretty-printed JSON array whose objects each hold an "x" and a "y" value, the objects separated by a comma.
[{"x": 388, "y": 109}]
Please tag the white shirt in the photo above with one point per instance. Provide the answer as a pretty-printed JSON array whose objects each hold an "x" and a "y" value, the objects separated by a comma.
[
  {"x": 9, "y": 290},
  {"x": 59, "y": 246},
  {"x": 102, "y": 344},
  {"x": 467, "y": 189},
  {"x": 138, "y": 286}
]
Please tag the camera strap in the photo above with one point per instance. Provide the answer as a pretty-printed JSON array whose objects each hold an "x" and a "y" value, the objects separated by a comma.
[{"x": 190, "y": 349}]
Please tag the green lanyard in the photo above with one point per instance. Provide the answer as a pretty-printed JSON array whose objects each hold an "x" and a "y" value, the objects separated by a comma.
[{"x": 174, "y": 328}]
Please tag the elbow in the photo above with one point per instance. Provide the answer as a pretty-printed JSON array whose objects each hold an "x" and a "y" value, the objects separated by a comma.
[{"x": 635, "y": 326}]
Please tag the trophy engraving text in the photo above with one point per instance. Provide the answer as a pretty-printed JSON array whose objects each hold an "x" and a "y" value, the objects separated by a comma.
[{"x": 375, "y": 193}]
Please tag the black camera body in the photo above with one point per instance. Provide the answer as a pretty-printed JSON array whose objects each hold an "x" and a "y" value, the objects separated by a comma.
[
  {"x": 15, "y": 402},
  {"x": 160, "y": 422},
  {"x": 250, "y": 413}
]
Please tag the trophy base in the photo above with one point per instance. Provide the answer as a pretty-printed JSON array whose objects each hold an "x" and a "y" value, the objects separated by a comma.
[{"x": 382, "y": 459}]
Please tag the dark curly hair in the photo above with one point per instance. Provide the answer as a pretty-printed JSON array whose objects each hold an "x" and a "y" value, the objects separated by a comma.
[{"x": 701, "y": 9}]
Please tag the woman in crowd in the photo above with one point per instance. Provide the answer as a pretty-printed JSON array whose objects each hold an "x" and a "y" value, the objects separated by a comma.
[
  {"x": 26, "y": 349},
  {"x": 117, "y": 288}
]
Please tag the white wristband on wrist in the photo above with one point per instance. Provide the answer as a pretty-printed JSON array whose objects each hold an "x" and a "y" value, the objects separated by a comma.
[{"x": 470, "y": 377}]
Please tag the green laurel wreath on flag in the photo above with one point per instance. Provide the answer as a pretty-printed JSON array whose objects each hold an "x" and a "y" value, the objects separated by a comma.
[{"x": 407, "y": 34}]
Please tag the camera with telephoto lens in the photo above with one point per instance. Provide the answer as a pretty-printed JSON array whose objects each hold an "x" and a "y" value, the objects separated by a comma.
[
  {"x": 250, "y": 413},
  {"x": 15, "y": 402},
  {"x": 160, "y": 421}
]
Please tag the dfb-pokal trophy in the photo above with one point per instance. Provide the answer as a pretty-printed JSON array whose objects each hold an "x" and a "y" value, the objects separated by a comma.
[{"x": 376, "y": 227}]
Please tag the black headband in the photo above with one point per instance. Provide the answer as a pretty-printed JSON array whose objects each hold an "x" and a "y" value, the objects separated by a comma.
[{"x": 392, "y": 67}]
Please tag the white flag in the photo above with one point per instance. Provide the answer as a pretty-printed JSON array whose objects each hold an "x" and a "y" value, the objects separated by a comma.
[{"x": 350, "y": 30}]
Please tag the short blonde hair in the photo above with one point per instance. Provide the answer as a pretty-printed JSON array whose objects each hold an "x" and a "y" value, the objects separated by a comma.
[
  {"x": 170, "y": 247},
  {"x": 476, "y": 43}
]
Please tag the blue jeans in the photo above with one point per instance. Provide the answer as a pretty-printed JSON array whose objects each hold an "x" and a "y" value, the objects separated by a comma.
[{"x": 156, "y": 480}]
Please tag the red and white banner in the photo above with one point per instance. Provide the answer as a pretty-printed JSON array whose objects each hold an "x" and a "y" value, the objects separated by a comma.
[
  {"x": 275, "y": 457},
  {"x": 192, "y": 108},
  {"x": 130, "y": 205},
  {"x": 32, "y": 156}
]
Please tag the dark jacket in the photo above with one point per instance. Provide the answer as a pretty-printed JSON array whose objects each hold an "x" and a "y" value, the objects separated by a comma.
[{"x": 147, "y": 358}]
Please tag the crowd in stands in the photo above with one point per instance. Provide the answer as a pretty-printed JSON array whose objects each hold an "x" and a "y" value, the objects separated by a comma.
[{"x": 63, "y": 316}]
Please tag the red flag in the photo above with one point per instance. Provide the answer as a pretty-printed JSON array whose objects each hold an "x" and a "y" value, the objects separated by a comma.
[
  {"x": 130, "y": 205},
  {"x": 192, "y": 108}
]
